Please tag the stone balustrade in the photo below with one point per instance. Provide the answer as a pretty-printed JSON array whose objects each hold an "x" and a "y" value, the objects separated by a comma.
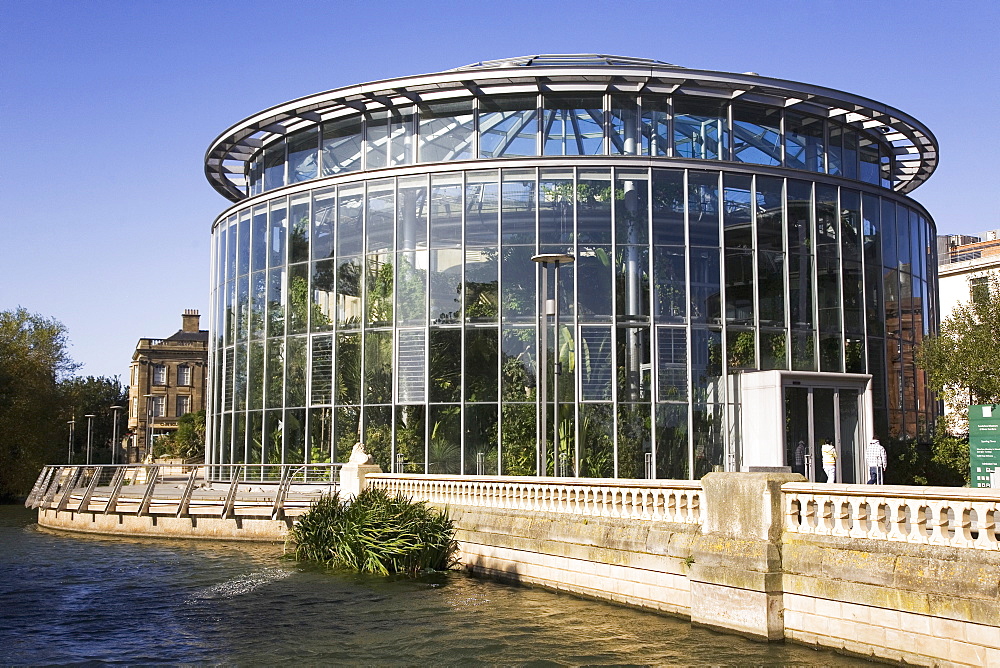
[
  {"x": 947, "y": 516},
  {"x": 676, "y": 501}
]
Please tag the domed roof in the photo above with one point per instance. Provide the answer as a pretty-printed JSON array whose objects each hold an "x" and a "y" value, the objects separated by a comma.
[{"x": 567, "y": 59}]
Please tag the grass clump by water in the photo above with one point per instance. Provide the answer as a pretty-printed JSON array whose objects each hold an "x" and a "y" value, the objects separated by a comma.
[{"x": 376, "y": 533}]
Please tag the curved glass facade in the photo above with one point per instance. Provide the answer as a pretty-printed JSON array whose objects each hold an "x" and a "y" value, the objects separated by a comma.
[{"x": 378, "y": 284}]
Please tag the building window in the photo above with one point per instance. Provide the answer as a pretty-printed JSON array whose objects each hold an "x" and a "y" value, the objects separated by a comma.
[
  {"x": 135, "y": 407},
  {"x": 184, "y": 375},
  {"x": 158, "y": 406},
  {"x": 979, "y": 289},
  {"x": 183, "y": 405},
  {"x": 159, "y": 374}
]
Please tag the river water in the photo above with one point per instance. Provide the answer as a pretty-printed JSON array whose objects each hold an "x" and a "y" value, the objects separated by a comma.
[{"x": 71, "y": 598}]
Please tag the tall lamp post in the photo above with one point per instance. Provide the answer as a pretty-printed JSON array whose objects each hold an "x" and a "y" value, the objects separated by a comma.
[
  {"x": 549, "y": 306},
  {"x": 72, "y": 432},
  {"x": 114, "y": 434},
  {"x": 90, "y": 434}
]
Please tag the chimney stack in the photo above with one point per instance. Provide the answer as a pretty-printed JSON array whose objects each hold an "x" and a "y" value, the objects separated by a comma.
[{"x": 190, "y": 320}]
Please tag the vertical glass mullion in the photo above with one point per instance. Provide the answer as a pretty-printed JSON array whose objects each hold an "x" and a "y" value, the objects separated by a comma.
[{"x": 687, "y": 308}]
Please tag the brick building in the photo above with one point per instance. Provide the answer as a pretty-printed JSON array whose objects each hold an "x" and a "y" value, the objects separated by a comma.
[{"x": 167, "y": 378}]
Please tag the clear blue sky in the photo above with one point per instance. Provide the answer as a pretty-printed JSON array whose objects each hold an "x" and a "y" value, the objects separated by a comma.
[{"x": 106, "y": 109}]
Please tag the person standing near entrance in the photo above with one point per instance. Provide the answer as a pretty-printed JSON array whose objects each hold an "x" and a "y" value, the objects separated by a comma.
[
  {"x": 876, "y": 460},
  {"x": 829, "y": 461}
]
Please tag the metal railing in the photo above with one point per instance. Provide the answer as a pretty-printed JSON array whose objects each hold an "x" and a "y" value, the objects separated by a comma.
[{"x": 239, "y": 490}]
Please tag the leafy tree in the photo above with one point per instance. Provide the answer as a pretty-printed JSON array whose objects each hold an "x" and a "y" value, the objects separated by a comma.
[
  {"x": 189, "y": 439},
  {"x": 33, "y": 359},
  {"x": 962, "y": 361},
  {"x": 94, "y": 395}
]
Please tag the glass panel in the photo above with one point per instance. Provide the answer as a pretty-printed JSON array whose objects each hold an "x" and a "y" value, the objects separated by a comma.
[
  {"x": 379, "y": 216},
  {"x": 378, "y": 434},
  {"x": 671, "y": 364},
  {"x": 803, "y": 351},
  {"x": 481, "y": 360},
  {"x": 258, "y": 300},
  {"x": 739, "y": 286},
  {"x": 518, "y": 364},
  {"x": 669, "y": 284},
  {"x": 593, "y": 206},
  {"x": 378, "y": 367},
  {"x": 298, "y": 299},
  {"x": 850, "y": 153},
  {"x": 632, "y": 283},
  {"x": 274, "y": 372},
  {"x": 255, "y": 445},
  {"x": 800, "y": 254},
  {"x": 595, "y": 364},
  {"x": 706, "y": 306},
  {"x": 671, "y": 441},
  {"x": 868, "y": 152},
  {"x": 573, "y": 125},
  {"x": 481, "y": 439},
  {"x": 481, "y": 285},
  {"x": 446, "y": 211},
  {"x": 703, "y": 208},
  {"x": 824, "y": 431},
  {"x": 258, "y": 253},
  {"x": 349, "y": 292},
  {"x": 277, "y": 233},
  {"x": 342, "y": 145},
  {"x": 411, "y": 366},
  {"x": 828, "y": 278},
  {"x": 446, "y": 364},
  {"x": 255, "y": 173},
  {"x": 323, "y": 295},
  {"x": 632, "y": 207},
  {"x": 517, "y": 224},
  {"x": 555, "y": 210},
  {"x": 518, "y": 287},
  {"x": 508, "y": 126},
  {"x": 410, "y": 439},
  {"x": 849, "y": 436},
  {"x": 593, "y": 267},
  {"x": 242, "y": 307},
  {"x": 709, "y": 438},
  {"x": 390, "y": 139},
  {"x": 635, "y": 440},
  {"x": 321, "y": 379},
  {"x": 255, "y": 375},
  {"x": 624, "y": 125},
  {"x": 737, "y": 216},
  {"x": 700, "y": 129},
  {"x": 276, "y": 295},
  {"x": 324, "y": 212},
  {"x": 903, "y": 237},
  {"x": 445, "y": 285},
  {"x": 411, "y": 215},
  {"x": 741, "y": 350},
  {"x": 347, "y": 427},
  {"x": 653, "y": 126},
  {"x": 668, "y": 207},
  {"x": 597, "y": 440},
  {"x": 348, "y": 373},
  {"x": 519, "y": 440},
  {"x": 804, "y": 142},
  {"x": 378, "y": 290},
  {"x": 871, "y": 220},
  {"x": 756, "y": 134},
  {"x": 773, "y": 350},
  {"x": 411, "y": 287},
  {"x": 350, "y": 210},
  {"x": 835, "y": 150},
  {"x": 242, "y": 247},
  {"x": 446, "y": 131},
  {"x": 303, "y": 155},
  {"x": 320, "y": 435},
  {"x": 482, "y": 208},
  {"x": 295, "y": 371},
  {"x": 274, "y": 165},
  {"x": 797, "y": 417},
  {"x": 444, "y": 449},
  {"x": 771, "y": 288},
  {"x": 706, "y": 364}
]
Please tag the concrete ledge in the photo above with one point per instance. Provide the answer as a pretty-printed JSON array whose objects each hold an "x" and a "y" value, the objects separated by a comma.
[{"x": 158, "y": 526}]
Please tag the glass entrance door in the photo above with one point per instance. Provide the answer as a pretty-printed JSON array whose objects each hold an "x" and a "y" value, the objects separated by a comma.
[{"x": 815, "y": 416}]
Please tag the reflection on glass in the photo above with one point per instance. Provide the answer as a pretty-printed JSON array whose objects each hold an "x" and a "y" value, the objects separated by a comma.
[
  {"x": 324, "y": 212},
  {"x": 593, "y": 206},
  {"x": 555, "y": 207},
  {"x": 804, "y": 142},
  {"x": 573, "y": 125},
  {"x": 756, "y": 134},
  {"x": 699, "y": 129},
  {"x": 342, "y": 140},
  {"x": 303, "y": 155},
  {"x": 508, "y": 126},
  {"x": 482, "y": 208},
  {"x": 446, "y": 131}
]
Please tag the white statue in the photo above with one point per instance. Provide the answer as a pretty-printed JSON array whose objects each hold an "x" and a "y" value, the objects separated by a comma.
[{"x": 358, "y": 454}]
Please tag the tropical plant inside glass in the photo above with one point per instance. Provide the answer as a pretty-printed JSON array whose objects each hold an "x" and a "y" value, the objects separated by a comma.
[{"x": 376, "y": 533}]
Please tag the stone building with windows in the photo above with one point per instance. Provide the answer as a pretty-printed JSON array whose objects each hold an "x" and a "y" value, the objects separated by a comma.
[
  {"x": 167, "y": 378},
  {"x": 741, "y": 270}
]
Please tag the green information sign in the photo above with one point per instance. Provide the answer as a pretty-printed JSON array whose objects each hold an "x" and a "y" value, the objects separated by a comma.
[{"x": 984, "y": 444}]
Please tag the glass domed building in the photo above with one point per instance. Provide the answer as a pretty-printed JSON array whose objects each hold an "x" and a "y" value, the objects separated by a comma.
[{"x": 725, "y": 265}]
